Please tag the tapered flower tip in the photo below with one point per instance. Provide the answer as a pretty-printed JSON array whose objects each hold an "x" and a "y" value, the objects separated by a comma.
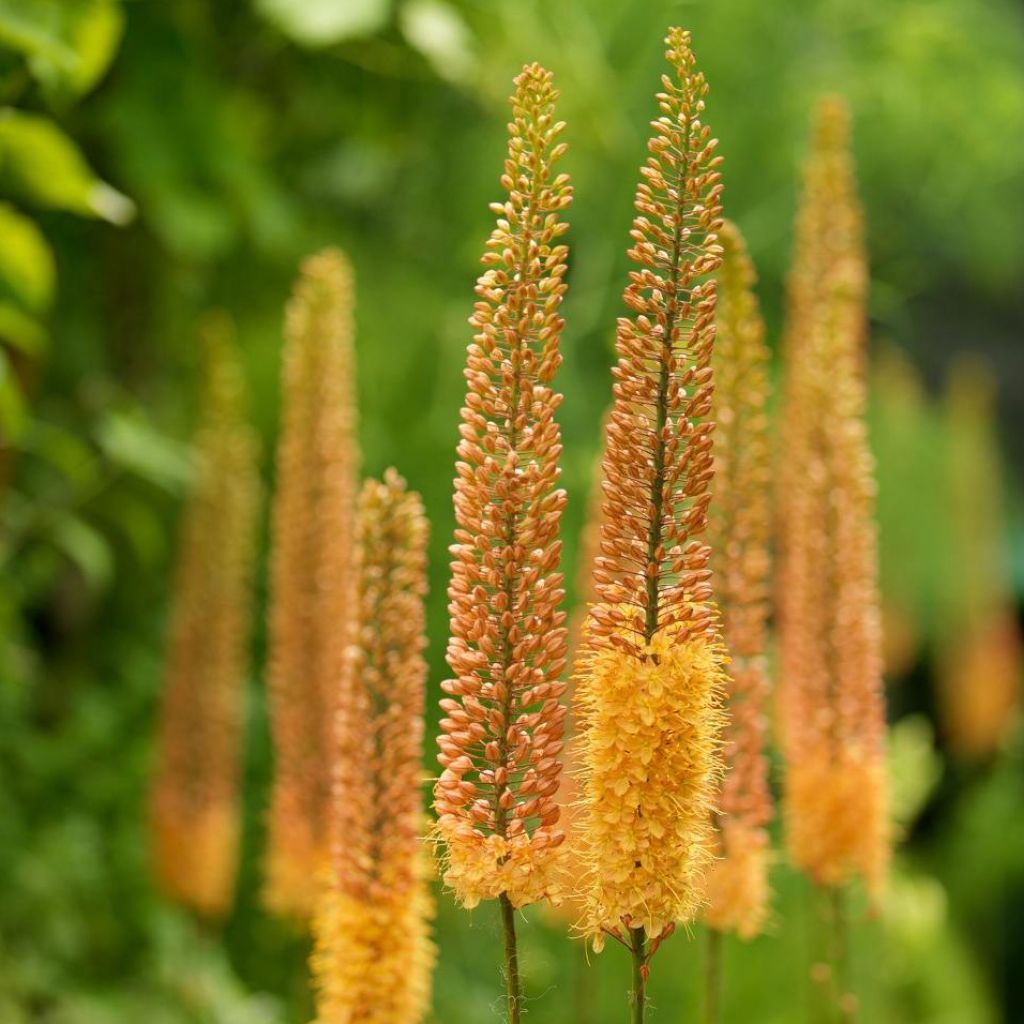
[
  {"x": 837, "y": 816},
  {"x": 831, "y": 125},
  {"x": 738, "y": 893},
  {"x": 650, "y": 764}
]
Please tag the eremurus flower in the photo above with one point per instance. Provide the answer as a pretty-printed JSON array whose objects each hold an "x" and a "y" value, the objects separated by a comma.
[
  {"x": 501, "y": 735},
  {"x": 739, "y": 534},
  {"x": 831, "y": 702},
  {"x": 649, "y": 677},
  {"x": 980, "y": 653},
  {"x": 194, "y": 800},
  {"x": 311, "y": 573},
  {"x": 502, "y": 731},
  {"x": 373, "y": 956}
]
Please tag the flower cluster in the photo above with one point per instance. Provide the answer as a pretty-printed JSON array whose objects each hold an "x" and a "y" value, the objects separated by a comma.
[
  {"x": 311, "y": 573},
  {"x": 831, "y": 703},
  {"x": 649, "y": 675},
  {"x": 739, "y": 534},
  {"x": 195, "y": 800},
  {"x": 502, "y": 729},
  {"x": 373, "y": 956}
]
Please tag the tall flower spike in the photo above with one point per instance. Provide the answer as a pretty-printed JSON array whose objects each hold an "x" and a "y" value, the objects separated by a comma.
[
  {"x": 980, "y": 656},
  {"x": 650, "y": 674},
  {"x": 831, "y": 702},
  {"x": 501, "y": 736},
  {"x": 374, "y": 957},
  {"x": 195, "y": 813},
  {"x": 311, "y": 573},
  {"x": 739, "y": 534}
]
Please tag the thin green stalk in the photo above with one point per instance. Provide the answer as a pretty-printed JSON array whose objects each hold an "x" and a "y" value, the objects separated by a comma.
[
  {"x": 713, "y": 978},
  {"x": 583, "y": 996},
  {"x": 638, "y": 997},
  {"x": 508, "y": 920},
  {"x": 845, "y": 1000}
]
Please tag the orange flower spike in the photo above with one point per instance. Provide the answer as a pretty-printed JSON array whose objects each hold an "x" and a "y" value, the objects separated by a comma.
[
  {"x": 980, "y": 661},
  {"x": 311, "y": 572},
  {"x": 650, "y": 673},
  {"x": 831, "y": 710},
  {"x": 373, "y": 956},
  {"x": 501, "y": 736},
  {"x": 195, "y": 813},
  {"x": 740, "y": 533}
]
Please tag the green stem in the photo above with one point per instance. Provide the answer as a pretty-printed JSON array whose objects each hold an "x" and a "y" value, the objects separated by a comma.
[
  {"x": 845, "y": 1001},
  {"x": 713, "y": 978},
  {"x": 508, "y": 920},
  {"x": 638, "y": 997},
  {"x": 584, "y": 990}
]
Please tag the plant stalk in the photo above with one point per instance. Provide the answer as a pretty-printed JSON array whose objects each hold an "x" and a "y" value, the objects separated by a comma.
[
  {"x": 713, "y": 978},
  {"x": 508, "y": 920},
  {"x": 638, "y": 997},
  {"x": 845, "y": 1000}
]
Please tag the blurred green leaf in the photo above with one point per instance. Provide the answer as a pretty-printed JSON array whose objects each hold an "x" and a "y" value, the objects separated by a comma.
[
  {"x": 323, "y": 22},
  {"x": 69, "y": 45},
  {"x": 12, "y": 406},
  {"x": 20, "y": 330},
  {"x": 44, "y": 165},
  {"x": 84, "y": 546},
  {"x": 438, "y": 31},
  {"x": 130, "y": 442},
  {"x": 33, "y": 28},
  {"x": 26, "y": 262}
]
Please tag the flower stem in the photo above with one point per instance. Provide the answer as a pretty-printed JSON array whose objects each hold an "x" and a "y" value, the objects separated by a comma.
[
  {"x": 845, "y": 1000},
  {"x": 508, "y": 920},
  {"x": 713, "y": 978},
  {"x": 638, "y": 997}
]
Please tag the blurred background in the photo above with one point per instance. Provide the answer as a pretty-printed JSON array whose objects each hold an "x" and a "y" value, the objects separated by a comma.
[{"x": 158, "y": 160}]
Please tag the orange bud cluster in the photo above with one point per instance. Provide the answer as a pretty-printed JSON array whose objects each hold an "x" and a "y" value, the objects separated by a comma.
[
  {"x": 311, "y": 572},
  {"x": 740, "y": 533},
  {"x": 501, "y": 735},
  {"x": 832, "y": 716},
  {"x": 980, "y": 656},
  {"x": 195, "y": 813},
  {"x": 373, "y": 957},
  {"x": 649, "y": 674}
]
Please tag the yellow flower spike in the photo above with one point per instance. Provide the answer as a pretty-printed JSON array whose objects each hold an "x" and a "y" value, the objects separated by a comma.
[
  {"x": 195, "y": 814},
  {"x": 373, "y": 955},
  {"x": 649, "y": 677},
  {"x": 739, "y": 533},
  {"x": 501, "y": 734},
  {"x": 311, "y": 573},
  {"x": 831, "y": 697},
  {"x": 981, "y": 653}
]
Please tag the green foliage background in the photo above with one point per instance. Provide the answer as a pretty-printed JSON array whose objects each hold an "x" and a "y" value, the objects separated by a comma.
[{"x": 158, "y": 159}]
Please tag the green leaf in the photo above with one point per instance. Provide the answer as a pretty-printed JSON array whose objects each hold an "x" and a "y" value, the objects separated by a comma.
[
  {"x": 86, "y": 548},
  {"x": 437, "y": 30},
  {"x": 21, "y": 331},
  {"x": 26, "y": 261},
  {"x": 32, "y": 27},
  {"x": 68, "y": 45},
  {"x": 42, "y": 163},
  {"x": 12, "y": 405},
  {"x": 323, "y": 22},
  {"x": 134, "y": 445}
]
